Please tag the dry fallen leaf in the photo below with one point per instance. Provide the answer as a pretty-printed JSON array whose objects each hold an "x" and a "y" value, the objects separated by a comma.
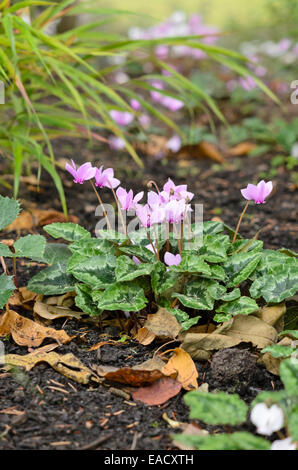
[
  {"x": 271, "y": 363},
  {"x": 157, "y": 393},
  {"x": 67, "y": 364},
  {"x": 50, "y": 312},
  {"x": 272, "y": 315},
  {"x": 242, "y": 328},
  {"x": 242, "y": 149},
  {"x": 182, "y": 363},
  {"x": 145, "y": 373},
  {"x": 26, "y": 332},
  {"x": 27, "y": 220},
  {"x": 160, "y": 324}
]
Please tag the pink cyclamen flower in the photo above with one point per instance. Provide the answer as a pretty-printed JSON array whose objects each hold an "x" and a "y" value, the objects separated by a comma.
[
  {"x": 83, "y": 173},
  {"x": 105, "y": 178},
  {"x": 257, "y": 193},
  {"x": 174, "y": 211},
  {"x": 172, "y": 260},
  {"x": 122, "y": 118},
  {"x": 126, "y": 199},
  {"x": 171, "y": 103},
  {"x": 144, "y": 214}
]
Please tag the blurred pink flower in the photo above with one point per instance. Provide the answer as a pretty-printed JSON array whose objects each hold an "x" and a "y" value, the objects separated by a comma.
[
  {"x": 174, "y": 143},
  {"x": 135, "y": 104},
  {"x": 144, "y": 121},
  {"x": 257, "y": 193},
  {"x": 122, "y": 118},
  {"x": 83, "y": 173},
  {"x": 171, "y": 103},
  {"x": 247, "y": 83},
  {"x": 116, "y": 143}
]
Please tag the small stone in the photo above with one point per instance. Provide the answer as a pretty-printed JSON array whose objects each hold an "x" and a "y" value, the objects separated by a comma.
[{"x": 233, "y": 366}]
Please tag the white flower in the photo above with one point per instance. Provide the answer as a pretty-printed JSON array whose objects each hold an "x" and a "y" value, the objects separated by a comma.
[
  {"x": 294, "y": 150},
  {"x": 267, "y": 420},
  {"x": 283, "y": 444}
]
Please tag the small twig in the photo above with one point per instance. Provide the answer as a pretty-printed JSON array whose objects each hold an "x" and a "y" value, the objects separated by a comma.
[
  {"x": 136, "y": 437},
  {"x": 97, "y": 442}
]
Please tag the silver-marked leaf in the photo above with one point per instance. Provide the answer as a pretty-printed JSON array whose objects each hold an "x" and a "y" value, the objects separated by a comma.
[
  {"x": 233, "y": 295},
  {"x": 92, "y": 247},
  {"x": 127, "y": 270},
  {"x": 200, "y": 294},
  {"x": 9, "y": 210},
  {"x": 216, "y": 408},
  {"x": 30, "y": 246},
  {"x": 67, "y": 230},
  {"x": 244, "y": 305},
  {"x": 221, "y": 441},
  {"x": 84, "y": 300},
  {"x": 111, "y": 235},
  {"x": 213, "y": 249},
  {"x": 6, "y": 288},
  {"x": 141, "y": 252},
  {"x": 191, "y": 262},
  {"x": 244, "y": 245},
  {"x": 97, "y": 271},
  {"x": 183, "y": 318},
  {"x": 56, "y": 252},
  {"x": 52, "y": 280},
  {"x": 122, "y": 296},
  {"x": 289, "y": 375},
  {"x": 162, "y": 280},
  {"x": 211, "y": 227},
  {"x": 279, "y": 350},
  {"x": 239, "y": 267},
  {"x": 216, "y": 272},
  {"x": 276, "y": 287}
]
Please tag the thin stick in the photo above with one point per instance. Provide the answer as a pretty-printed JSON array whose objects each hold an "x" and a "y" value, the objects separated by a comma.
[
  {"x": 14, "y": 267},
  {"x": 4, "y": 265},
  {"x": 101, "y": 204},
  {"x": 239, "y": 221},
  {"x": 156, "y": 235}
]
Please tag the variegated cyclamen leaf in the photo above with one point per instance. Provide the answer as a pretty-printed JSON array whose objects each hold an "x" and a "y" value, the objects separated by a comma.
[
  {"x": 211, "y": 227},
  {"x": 289, "y": 375},
  {"x": 67, "y": 230},
  {"x": 141, "y": 252},
  {"x": 240, "y": 266},
  {"x": 84, "y": 301},
  {"x": 9, "y": 210},
  {"x": 216, "y": 408},
  {"x": 163, "y": 279},
  {"x": 214, "y": 250},
  {"x": 5, "y": 251},
  {"x": 242, "y": 246},
  {"x": 183, "y": 318},
  {"x": 92, "y": 247},
  {"x": 127, "y": 270},
  {"x": 233, "y": 295},
  {"x": 52, "y": 280},
  {"x": 241, "y": 306},
  {"x": 273, "y": 260},
  {"x": 276, "y": 287},
  {"x": 97, "y": 271},
  {"x": 122, "y": 296},
  {"x": 30, "y": 246},
  {"x": 216, "y": 272},
  {"x": 56, "y": 252},
  {"x": 6, "y": 288},
  {"x": 200, "y": 294},
  {"x": 191, "y": 262},
  {"x": 231, "y": 441},
  {"x": 279, "y": 350}
]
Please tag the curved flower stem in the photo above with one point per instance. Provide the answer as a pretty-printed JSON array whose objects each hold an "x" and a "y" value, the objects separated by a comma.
[
  {"x": 181, "y": 239},
  {"x": 101, "y": 204},
  {"x": 168, "y": 236},
  {"x": 151, "y": 182},
  {"x": 239, "y": 222},
  {"x": 119, "y": 210},
  {"x": 156, "y": 236}
]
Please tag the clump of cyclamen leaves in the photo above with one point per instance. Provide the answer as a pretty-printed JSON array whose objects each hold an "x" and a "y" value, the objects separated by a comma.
[{"x": 119, "y": 272}]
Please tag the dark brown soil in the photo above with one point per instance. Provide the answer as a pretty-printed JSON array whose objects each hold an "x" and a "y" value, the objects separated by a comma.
[{"x": 76, "y": 416}]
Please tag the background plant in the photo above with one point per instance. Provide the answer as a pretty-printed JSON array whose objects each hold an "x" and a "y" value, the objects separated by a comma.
[{"x": 57, "y": 84}]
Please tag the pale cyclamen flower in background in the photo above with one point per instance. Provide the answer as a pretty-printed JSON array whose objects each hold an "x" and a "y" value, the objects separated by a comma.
[
  {"x": 283, "y": 444},
  {"x": 126, "y": 199},
  {"x": 172, "y": 260},
  {"x": 144, "y": 121},
  {"x": 247, "y": 83},
  {"x": 162, "y": 51},
  {"x": 116, "y": 143},
  {"x": 174, "y": 143},
  {"x": 174, "y": 211},
  {"x": 294, "y": 150},
  {"x": 156, "y": 96},
  {"x": 105, "y": 178},
  {"x": 82, "y": 173},
  {"x": 257, "y": 193},
  {"x": 267, "y": 420},
  {"x": 171, "y": 103},
  {"x": 144, "y": 214},
  {"x": 122, "y": 118},
  {"x": 136, "y": 106}
]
